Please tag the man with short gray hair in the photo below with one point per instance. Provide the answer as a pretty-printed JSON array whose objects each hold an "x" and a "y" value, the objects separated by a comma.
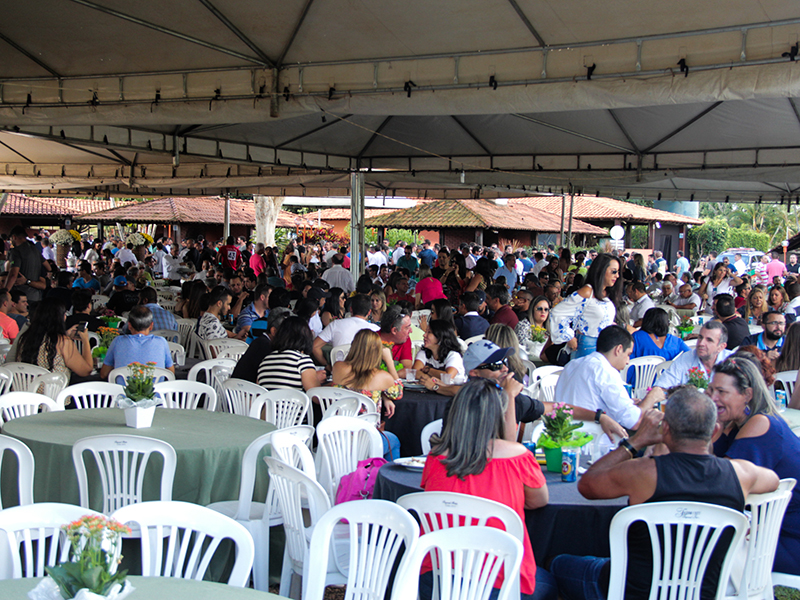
[{"x": 138, "y": 346}]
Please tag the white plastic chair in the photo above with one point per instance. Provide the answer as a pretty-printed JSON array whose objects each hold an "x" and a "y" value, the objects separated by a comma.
[
  {"x": 14, "y": 405},
  {"x": 122, "y": 373},
  {"x": 234, "y": 352},
  {"x": 644, "y": 368},
  {"x": 4, "y": 348},
  {"x": 787, "y": 379},
  {"x": 205, "y": 367},
  {"x": 544, "y": 371},
  {"x": 194, "y": 533},
  {"x": 25, "y": 468},
  {"x": 692, "y": 344},
  {"x": 285, "y": 408},
  {"x": 547, "y": 387},
  {"x": 186, "y": 395},
  {"x": 678, "y": 569},
  {"x": 177, "y": 352},
  {"x": 25, "y": 531},
  {"x": 185, "y": 327},
  {"x": 50, "y": 384},
  {"x": 661, "y": 367},
  {"x": 95, "y": 394},
  {"x": 212, "y": 348},
  {"x": 171, "y": 335},
  {"x": 122, "y": 461},
  {"x": 22, "y": 374},
  {"x": 343, "y": 441},
  {"x": 167, "y": 304},
  {"x": 298, "y": 493},
  {"x": 339, "y": 353},
  {"x": 470, "y": 558},
  {"x": 293, "y": 446},
  {"x": 427, "y": 432},
  {"x": 325, "y": 396},
  {"x": 240, "y": 396},
  {"x": 258, "y": 517},
  {"x": 99, "y": 301},
  {"x": 766, "y": 517},
  {"x": 343, "y": 407},
  {"x": 372, "y": 535},
  {"x": 474, "y": 338},
  {"x": 443, "y": 510}
]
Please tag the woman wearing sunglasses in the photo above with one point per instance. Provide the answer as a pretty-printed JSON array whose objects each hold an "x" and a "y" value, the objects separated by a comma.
[
  {"x": 536, "y": 316},
  {"x": 580, "y": 318}
]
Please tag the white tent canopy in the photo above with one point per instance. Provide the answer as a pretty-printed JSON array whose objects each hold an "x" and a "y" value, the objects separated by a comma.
[{"x": 474, "y": 97}]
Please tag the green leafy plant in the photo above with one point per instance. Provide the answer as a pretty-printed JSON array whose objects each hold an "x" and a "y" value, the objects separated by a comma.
[
  {"x": 139, "y": 384},
  {"x": 95, "y": 542},
  {"x": 559, "y": 428}
]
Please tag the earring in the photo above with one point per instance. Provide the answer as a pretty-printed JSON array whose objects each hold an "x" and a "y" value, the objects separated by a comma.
[{"x": 747, "y": 411}]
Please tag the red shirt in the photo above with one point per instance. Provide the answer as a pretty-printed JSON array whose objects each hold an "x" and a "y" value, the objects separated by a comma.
[
  {"x": 230, "y": 256},
  {"x": 400, "y": 352},
  {"x": 505, "y": 316},
  {"x": 430, "y": 289},
  {"x": 503, "y": 480}
]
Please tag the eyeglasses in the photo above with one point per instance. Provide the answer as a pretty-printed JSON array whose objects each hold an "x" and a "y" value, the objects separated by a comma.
[
  {"x": 495, "y": 366},
  {"x": 614, "y": 271}
]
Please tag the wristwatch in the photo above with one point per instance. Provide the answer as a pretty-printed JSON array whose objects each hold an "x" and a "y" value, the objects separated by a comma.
[
  {"x": 629, "y": 447},
  {"x": 600, "y": 412}
]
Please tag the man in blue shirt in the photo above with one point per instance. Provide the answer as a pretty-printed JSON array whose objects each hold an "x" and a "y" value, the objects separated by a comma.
[
  {"x": 681, "y": 265},
  {"x": 508, "y": 271},
  {"x": 527, "y": 263},
  {"x": 427, "y": 257},
  {"x": 771, "y": 339},
  {"x": 140, "y": 346},
  {"x": 85, "y": 279},
  {"x": 257, "y": 309},
  {"x": 162, "y": 318}
]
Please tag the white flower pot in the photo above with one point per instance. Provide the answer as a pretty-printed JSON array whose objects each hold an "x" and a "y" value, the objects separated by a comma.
[
  {"x": 47, "y": 589},
  {"x": 138, "y": 417},
  {"x": 535, "y": 349}
]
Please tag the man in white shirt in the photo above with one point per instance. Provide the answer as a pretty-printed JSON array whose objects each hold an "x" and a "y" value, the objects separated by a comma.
[
  {"x": 399, "y": 251},
  {"x": 668, "y": 294},
  {"x": 641, "y": 302},
  {"x": 126, "y": 255},
  {"x": 342, "y": 331},
  {"x": 686, "y": 299},
  {"x": 594, "y": 382},
  {"x": 47, "y": 250},
  {"x": 376, "y": 257},
  {"x": 338, "y": 276},
  {"x": 738, "y": 264},
  {"x": 709, "y": 351},
  {"x": 170, "y": 263},
  {"x": 332, "y": 251}
]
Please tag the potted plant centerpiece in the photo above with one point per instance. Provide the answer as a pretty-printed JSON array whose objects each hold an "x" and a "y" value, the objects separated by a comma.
[
  {"x": 685, "y": 328},
  {"x": 91, "y": 573},
  {"x": 697, "y": 378},
  {"x": 63, "y": 240},
  {"x": 139, "y": 398},
  {"x": 559, "y": 433},
  {"x": 140, "y": 241},
  {"x": 537, "y": 341}
]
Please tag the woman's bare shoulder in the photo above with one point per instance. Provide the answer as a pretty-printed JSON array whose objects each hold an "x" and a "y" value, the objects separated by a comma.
[
  {"x": 506, "y": 449},
  {"x": 756, "y": 426},
  {"x": 585, "y": 291}
]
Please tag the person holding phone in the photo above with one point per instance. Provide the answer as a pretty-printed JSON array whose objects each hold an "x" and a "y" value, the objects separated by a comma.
[{"x": 721, "y": 281}]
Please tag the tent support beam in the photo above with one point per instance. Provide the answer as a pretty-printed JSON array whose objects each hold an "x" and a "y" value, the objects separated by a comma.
[
  {"x": 471, "y": 135},
  {"x": 294, "y": 32},
  {"x": 315, "y": 130},
  {"x": 372, "y": 138},
  {"x": 17, "y": 153},
  {"x": 28, "y": 55},
  {"x": 356, "y": 225},
  {"x": 171, "y": 32},
  {"x": 247, "y": 41},
  {"x": 624, "y": 131},
  {"x": 524, "y": 18},
  {"x": 675, "y": 132},
  {"x": 795, "y": 109},
  {"x": 571, "y": 132}
]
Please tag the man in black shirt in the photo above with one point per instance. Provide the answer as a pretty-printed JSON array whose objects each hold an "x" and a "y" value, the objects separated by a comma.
[
  {"x": 247, "y": 366},
  {"x": 725, "y": 311},
  {"x": 124, "y": 297}
]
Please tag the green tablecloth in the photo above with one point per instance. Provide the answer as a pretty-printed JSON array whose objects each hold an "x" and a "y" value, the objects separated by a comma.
[
  {"x": 209, "y": 448},
  {"x": 155, "y": 588}
]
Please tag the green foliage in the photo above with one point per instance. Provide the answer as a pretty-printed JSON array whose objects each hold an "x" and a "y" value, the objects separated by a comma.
[
  {"x": 744, "y": 237},
  {"x": 713, "y": 235},
  {"x": 639, "y": 236},
  {"x": 392, "y": 236}
]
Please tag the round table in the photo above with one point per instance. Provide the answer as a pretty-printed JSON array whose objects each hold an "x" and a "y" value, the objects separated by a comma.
[
  {"x": 569, "y": 524},
  {"x": 156, "y": 588},
  {"x": 412, "y": 412},
  {"x": 209, "y": 448}
]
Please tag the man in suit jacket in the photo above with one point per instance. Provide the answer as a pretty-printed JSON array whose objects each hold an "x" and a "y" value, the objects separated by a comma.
[{"x": 469, "y": 323}]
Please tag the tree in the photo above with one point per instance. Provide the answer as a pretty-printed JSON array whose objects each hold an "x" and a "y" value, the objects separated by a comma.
[
  {"x": 267, "y": 210},
  {"x": 713, "y": 235}
]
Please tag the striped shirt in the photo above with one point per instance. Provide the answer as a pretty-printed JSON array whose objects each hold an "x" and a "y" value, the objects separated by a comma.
[{"x": 283, "y": 370}]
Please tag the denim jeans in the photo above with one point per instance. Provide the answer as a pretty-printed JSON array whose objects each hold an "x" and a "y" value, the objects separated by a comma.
[
  {"x": 545, "y": 587},
  {"x": 578, "y": 577},
  {"x": 586, "y": 345}
]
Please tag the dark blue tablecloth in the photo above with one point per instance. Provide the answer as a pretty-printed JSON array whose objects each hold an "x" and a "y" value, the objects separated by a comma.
[
  {"x": 569, "y": 524},
  {"x": 412, "y": 412}
]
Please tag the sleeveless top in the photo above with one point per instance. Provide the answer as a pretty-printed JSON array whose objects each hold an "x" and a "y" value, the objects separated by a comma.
[
  {"x": 59, "y": 366},
  {"x": 684, "y": 477}
]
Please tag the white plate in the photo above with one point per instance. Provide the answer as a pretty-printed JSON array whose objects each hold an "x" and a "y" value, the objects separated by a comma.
[
  {"x": 414, "y": 463},
  {"x": 413, "y": 386}
]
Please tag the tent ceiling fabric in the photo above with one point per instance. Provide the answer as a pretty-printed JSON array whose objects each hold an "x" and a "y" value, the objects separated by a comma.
[{"x": 466, "y": 98}]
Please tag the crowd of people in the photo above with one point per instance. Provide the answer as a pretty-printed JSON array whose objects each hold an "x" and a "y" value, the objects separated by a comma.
[{"x": 307, "y": 322}]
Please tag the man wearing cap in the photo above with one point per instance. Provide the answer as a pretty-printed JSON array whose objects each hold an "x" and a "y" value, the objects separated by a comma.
[
  {"x": 485, "y": 359},
  {"x": 469, "y": 322},
  {"x": 124, "y": 297}
]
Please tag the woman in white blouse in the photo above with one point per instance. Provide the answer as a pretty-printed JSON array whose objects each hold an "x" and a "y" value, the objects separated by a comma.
[
  {"x": 721, "y": 281},
  {"x": 441, "y": 352},
  {"x": 580, "y": 318}
]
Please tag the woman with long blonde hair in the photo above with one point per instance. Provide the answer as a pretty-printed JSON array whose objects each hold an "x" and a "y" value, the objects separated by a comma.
[
  {"x": 378, "y": 305},
  {"x": 361, "y": 372},
  {"x": 504, "y": 337},
  {"x": 756, "y": 305}
]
